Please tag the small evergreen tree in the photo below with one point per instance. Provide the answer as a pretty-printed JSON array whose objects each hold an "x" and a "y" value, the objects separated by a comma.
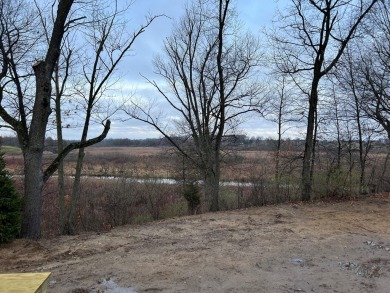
[
  {"x": 192, "y": 195},
  {"x": 10, "y": 205}
]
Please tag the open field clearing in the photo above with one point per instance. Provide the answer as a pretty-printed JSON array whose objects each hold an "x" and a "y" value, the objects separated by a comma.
[
  {"x": 317, "y": 247},
  {"x": 150, "y": 162},
  {"x": 10, "y": 150},
  {"x": 136, "y": 151}
]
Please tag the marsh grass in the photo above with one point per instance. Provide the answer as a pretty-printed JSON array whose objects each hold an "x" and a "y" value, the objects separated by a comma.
[{"x": 109, "y": 203}]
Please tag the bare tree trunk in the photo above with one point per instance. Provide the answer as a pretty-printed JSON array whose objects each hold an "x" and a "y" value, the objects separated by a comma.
[
  {"x": 362, "y": 150},
  {"x": 338, "y": 129},
  {"x": 362, "y": 160},
  {"x": 277, "y": 166},
  {"x": 61, "y": 180},
  {"x": 71, "y": 223},
  {"x": 314, "y": 154},
  {"x": 72, "y": 214},
  {"x": 309, "y": 144},
  {"x": 279, "y": 141},
  {"x": 32, "y": 201},
  {"x": 212, "y": 189},
  {"x": 33, "y": 153},
  {"x": 60, "y": 148}
]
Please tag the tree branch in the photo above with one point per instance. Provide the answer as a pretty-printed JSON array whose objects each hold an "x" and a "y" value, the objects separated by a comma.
[{"x": 76, "y": 145}]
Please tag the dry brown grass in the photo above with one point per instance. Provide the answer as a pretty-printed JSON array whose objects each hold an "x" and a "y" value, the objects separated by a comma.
[
  {"x": 117, "y": 202},
  {"x": 133, "y": 151},
  {"x": 146, "y": 162}
]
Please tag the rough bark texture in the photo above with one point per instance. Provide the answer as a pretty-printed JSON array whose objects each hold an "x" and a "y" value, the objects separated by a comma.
[
  {"x": 33, "y": 148},
  {"x": 212, "y": 178},
  {"x": 309, "y": 143},
  {"x": 32, "y": 201},
  {"x": 71, "y": 219}
]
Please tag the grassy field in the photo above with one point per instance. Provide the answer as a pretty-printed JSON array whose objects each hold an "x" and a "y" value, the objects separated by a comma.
[
  {"x": 137, "y": 151},
  {"x": 120, "y": 184},
  {"x": 10, "y": 150},
  {"x": 156, "y": 162}
]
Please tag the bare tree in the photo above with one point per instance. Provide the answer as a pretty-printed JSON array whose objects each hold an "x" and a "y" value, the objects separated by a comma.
[
  {"x": 373, "y": 68},
  {"x": 337, "y": 140},
  {"x": 281, "y": 106},
  {"x": 367, "y": 74},
  {"x": 85, "y": 72},
  {"x": 206, "y": 68},
  {"x": 108, "y": 44},
  {"x": 24, "y": 111},
  {"x": 348, "y": 79},
  {"x": 27, "y": 37},
  {"x": 310, "y": 40}
]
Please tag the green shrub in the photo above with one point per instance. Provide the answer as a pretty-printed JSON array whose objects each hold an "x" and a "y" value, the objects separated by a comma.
[
  {"x": 228, "y": 199},
  {"x": 9, "y": 207},
  {"x": 176, "y": 209},
  {"x": 141, "y": 219},
  {"x": 192, "y": 195}
]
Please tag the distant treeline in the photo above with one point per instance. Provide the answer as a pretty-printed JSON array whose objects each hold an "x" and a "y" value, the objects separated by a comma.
[
  {"x": 240, "y": 142},
  {"x": 236, "y": 141},
  {"x": 110, "y": 142}
]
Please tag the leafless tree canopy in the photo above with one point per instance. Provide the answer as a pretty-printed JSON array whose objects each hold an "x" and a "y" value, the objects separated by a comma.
[
  {"x": 38, "y": 54},
  {"x": 207, "y": 72},
  {"x": 309, "y": 41},
  {"x": 329, "y": 64},
  {"x": 372, "y": 67}
]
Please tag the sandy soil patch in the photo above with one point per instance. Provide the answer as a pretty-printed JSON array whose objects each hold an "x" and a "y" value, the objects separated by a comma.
[{"x": 316, "y": 247}]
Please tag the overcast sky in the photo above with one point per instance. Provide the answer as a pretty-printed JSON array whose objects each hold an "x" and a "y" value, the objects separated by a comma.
[{"x": 254, "y": 14}]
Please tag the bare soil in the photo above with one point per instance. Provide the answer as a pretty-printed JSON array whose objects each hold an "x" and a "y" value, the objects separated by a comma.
[{"x": 316, "y": 247}]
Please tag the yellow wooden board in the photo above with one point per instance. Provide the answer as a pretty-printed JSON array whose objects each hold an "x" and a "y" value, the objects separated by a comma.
[{"x": 26, "y": 283}]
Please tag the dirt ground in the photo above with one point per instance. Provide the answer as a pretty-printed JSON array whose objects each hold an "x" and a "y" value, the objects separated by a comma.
[{"x": 315, "y": 247}]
